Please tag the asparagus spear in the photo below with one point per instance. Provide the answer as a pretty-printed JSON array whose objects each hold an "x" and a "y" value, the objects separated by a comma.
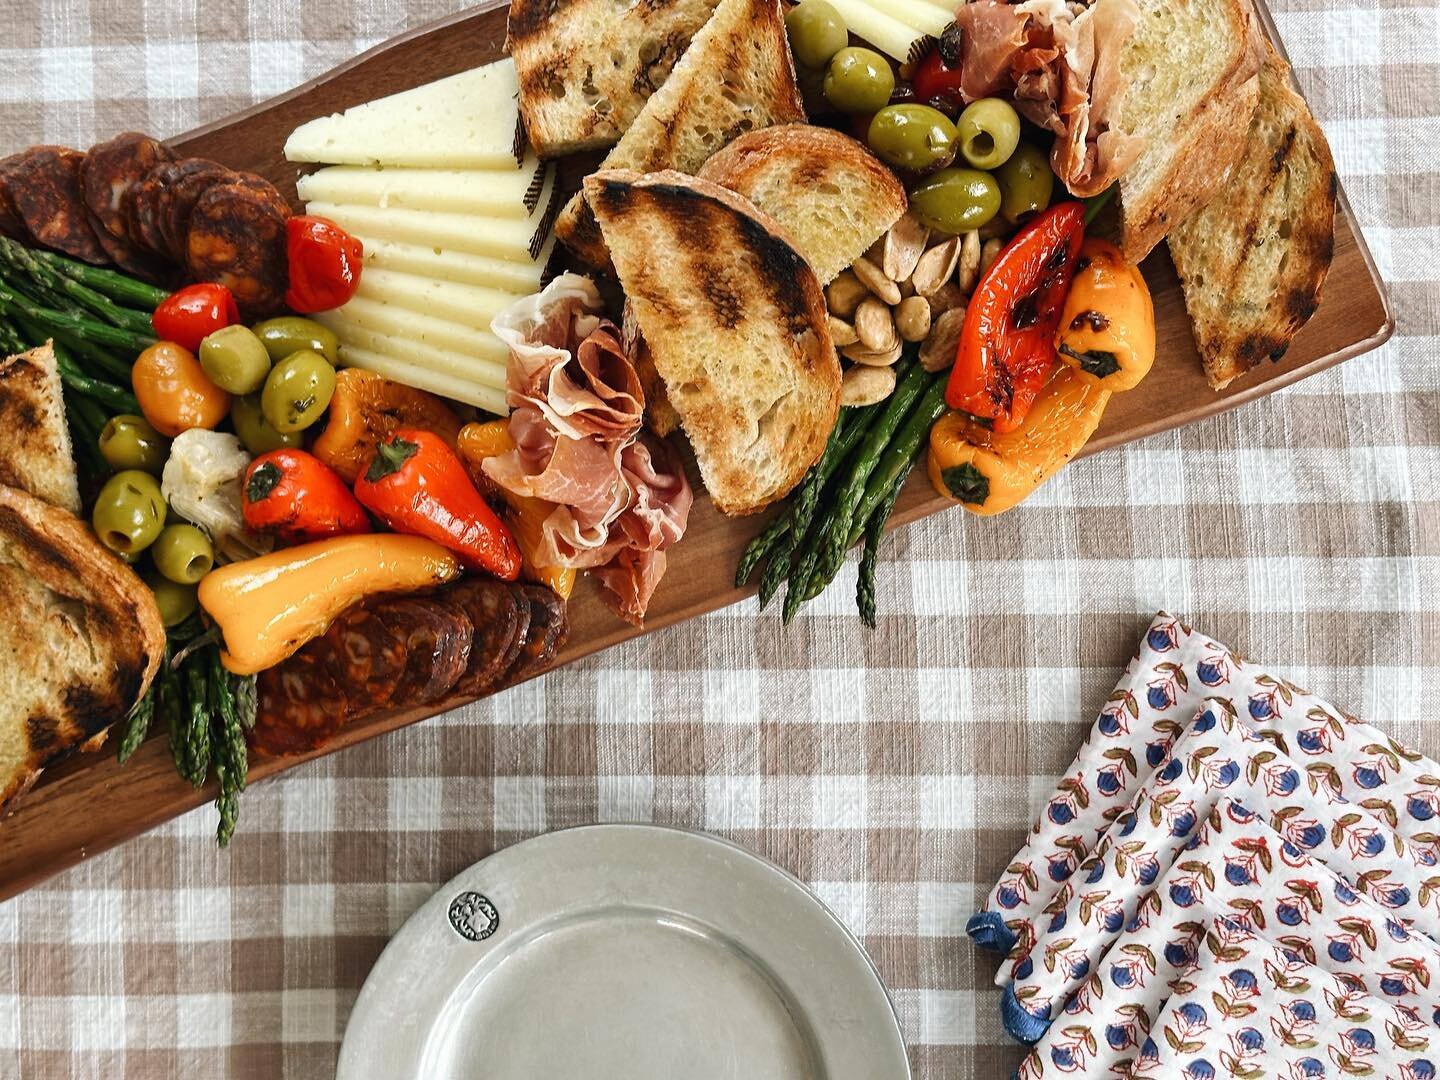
[
  {"x": 137, "y": 724},
  {"x": 71, "y": 292},
  {"x": 869, "y": 560},
  {"x": 231, "y": 755},
  {"x": 899, "y": 456},
  {"x": 121, "y": 287},
  {"x": 86, "y": 329},
  {"x": 197, "y": 722}
]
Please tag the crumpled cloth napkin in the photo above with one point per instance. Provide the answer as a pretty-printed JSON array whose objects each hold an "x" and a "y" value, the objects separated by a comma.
[
  {"x": 1174, "y": 674},
  {"x": 1219, "y": 755},
  {"x": 1237, "y": 867}
]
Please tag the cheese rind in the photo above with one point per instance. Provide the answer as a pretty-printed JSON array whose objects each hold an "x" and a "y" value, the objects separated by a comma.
[
  {"x": 483, "y": 192},
  {"x": 444, "y": 263},
  {"x": 438, "y": 334},
  {"x": 402, "y": 371},
  {"x": 465, "y": 121}
]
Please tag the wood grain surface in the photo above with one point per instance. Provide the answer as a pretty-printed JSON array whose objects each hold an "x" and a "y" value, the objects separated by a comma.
[{"x": 90, "y": 803}]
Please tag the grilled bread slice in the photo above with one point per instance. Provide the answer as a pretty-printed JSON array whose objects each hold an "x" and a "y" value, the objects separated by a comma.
[
  {"x": 1190, "y": 92},
  {"x": 587, "y": 67},
  {"x": 35, "y": 454},
  {"x": 82, "y": 638},
  {"x": 735, "y": 323},
  {"x": 737, "y": 76},
  {"x": 660, "y": 415},
  {"x": 1252, "y": 263},
  {"x": 832, "y": 195}
]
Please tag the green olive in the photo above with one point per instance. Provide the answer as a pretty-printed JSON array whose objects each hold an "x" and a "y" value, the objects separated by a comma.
[
  {"x": 182, "y": 553},
  {"x": 255, "y": 432},
  {"x": 956, "y": 200},
  {"x": 859, "y": 81},
  {"x": 817, "y": 32},
  {"x": 129, "y": 512},
  {"x": 916, "y": 138},
  {"x": 989, "y": 132},
  {"x": 235, "y": 359},
  {"x": 297, "y": 391},
  {"x": 290, "y": 333},
  {"x": 176, "y": 602},
  {"x": 1026, "y": 183},
  {"x": 128, "y": 441}
]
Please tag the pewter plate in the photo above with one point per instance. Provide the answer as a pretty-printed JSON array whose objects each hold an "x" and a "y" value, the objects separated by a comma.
[{"x": 623, "y": 952}]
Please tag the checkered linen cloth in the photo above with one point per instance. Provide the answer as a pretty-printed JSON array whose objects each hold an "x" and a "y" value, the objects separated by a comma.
[{"x": 894, "y": 771}]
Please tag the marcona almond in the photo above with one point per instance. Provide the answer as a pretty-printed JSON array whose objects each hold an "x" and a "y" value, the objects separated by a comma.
[
  {"x": 874, "y": 279},
  {"x": 844, "y": 294},
  {"x": 936, "y": 266},
  {"x": 989, "y": 253},
  {"x": 938, "y": 352},
  {"x": 861, "y": 385},
  {"x": 875, "y": 326},
  {"x": 841, "y": 332},
  {"x": 872, "y": 357},
  {"x": 969, "y": 271},
  {"x": 912, "y": 318},
  {"x": 904, "y": 244},
  {"x": 948, "y": 296}
]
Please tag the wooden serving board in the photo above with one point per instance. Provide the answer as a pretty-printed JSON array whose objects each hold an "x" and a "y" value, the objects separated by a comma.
[{"x": 91, "y": 803}]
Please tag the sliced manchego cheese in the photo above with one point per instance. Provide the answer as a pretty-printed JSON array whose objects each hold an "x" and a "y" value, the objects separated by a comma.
[
  {"x": 459, "y": 365},
  {"x": 885, "y": 32},
  {"x": 444, "y": 263},
  {"x": 466, "y": 121},
  {"x": 483, "y": 192},
  {"x": 402, "y": 371},
  {"x": 920, "y": 15},
  {"x": 426, "y": 330},
  {"x": 469, "y": 305}
]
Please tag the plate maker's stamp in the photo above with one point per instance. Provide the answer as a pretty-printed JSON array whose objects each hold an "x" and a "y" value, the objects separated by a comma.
[{"x": 473, "y": 916}]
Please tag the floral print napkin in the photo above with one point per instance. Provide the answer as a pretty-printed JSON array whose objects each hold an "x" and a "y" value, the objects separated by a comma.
[
  {"x": 1176, "y": 673},
  {"x": 1237, "y": 868},
  {"x": 1220, "y": 755}
]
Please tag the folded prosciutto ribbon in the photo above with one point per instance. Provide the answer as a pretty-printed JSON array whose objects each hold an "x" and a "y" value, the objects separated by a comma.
[
  {"x": 1060, "y": 62},
  {"x": 621, "y": 497}
]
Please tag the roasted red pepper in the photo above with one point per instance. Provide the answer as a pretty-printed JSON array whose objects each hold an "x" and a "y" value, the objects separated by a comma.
[
  {"x": 325, "y": 263},
  {"x": 937, "y": 83},
  {"x": 415, "y": 484},
  {"x": 188, "y": 316},
  {"x": 298, "y": 497},
  {"x": 1007, "y": 344}
]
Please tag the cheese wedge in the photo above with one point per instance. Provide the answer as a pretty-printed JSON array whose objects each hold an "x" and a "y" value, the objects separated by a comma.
[
  {"x": 885, "y": 32},
  {"x": 441, "y": 361},
  {"x": 469, "y": 305},
  {"x": 377, "y": 318},
  {"x": 466, "y": 121},
  {"x": 483, "y": 192},
  {"x": 402, "y": 371},
  {"x": 918, "y": 14},
  {"x": 443, "y": 263}
]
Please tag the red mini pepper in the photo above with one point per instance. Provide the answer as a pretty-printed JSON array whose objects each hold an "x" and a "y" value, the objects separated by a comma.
[
  {"x": 298, "y": 497},
  {"x": 188, "y": 316},
  {"x": 325, "y": 263},
  {"x": 1007, "y": 343},
  {"x": 937, "y": 83},
  {"x": 415, "y": 484}
]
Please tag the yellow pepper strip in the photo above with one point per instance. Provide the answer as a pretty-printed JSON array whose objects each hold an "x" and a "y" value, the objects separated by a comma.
[
  {"x": 266, "y": 608},
  {"x": 990, "y": 473},
  {"x": 525, "y": 515},
  {"x": 1107, "y": 330}
]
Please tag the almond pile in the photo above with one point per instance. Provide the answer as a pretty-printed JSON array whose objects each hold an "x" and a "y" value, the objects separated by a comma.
[{"x": 911, "y": 286}]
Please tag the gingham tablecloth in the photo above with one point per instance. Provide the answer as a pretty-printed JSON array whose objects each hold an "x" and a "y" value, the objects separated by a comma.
[{"x": 894, "y": 771}]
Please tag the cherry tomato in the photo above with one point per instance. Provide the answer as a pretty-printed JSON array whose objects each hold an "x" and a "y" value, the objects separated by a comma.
[
  {"x": 174, "y": 393},
  {"x": 325, "y": 264},
  {"x": 187, "y": 316}
]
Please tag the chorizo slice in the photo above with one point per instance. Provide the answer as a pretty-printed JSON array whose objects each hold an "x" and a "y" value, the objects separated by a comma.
[
  {"x": 191, "y": 180},
  {"x": 109, "y": 177},
  {"x": 11, "y": 224},
  {"x": 43, "y": 183},
  {"x": 143, "y": 213},
  {"x": 300, "y": 705},
  {"x": 237, "y": 239},
  {"x": 500, "y": 621},
  {"x": 367, "y": 657},
  {"x": 437, "y": 642},
  {"x": 549, "y": 627}
]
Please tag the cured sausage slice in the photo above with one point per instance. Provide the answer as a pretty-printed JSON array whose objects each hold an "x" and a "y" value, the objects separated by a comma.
[
  {"x": 237, "y": 239},
  {"x": 109, "y": 177},
  {"x": 500, "y": 621},
  {"x": 366, "y": 657},
  {"x": 299, "y": 706},
  {"x": 437, "y": 643},
  {"x": 192, "y": 179},
  {"x": 549, "y": 626},
  {"x": 43, "y": 184},
  {"x": 11, "y": 224}
]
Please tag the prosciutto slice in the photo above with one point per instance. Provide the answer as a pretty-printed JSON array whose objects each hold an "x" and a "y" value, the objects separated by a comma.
[
  {"x": 621, "y": 497},
  {"x": 1060, "y": 62}
]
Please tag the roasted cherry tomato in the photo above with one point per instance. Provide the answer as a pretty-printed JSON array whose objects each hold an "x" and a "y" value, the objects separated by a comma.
[
  {"x": 188, "y": 316},
  {"x": 298, "y": 497},
  {"x": 1007, "y": 344},
  {"x": 937, "y": 80},
  {"x": 325, "y": 264}
]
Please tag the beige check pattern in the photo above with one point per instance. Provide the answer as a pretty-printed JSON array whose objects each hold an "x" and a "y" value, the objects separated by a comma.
[{"x": 894, "y": 771}]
